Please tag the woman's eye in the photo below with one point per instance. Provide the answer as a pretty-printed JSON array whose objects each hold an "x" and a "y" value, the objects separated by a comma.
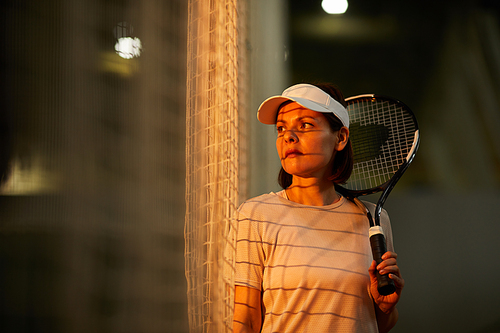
[
  {"x": 280, "y": 129},
  {"x": 307, "y": 125}
]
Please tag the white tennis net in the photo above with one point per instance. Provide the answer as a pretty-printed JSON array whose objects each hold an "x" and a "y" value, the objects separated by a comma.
[{"x": 211, "y": 162}]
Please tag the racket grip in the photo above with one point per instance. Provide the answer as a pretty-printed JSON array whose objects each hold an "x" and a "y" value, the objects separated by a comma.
[{"x": 385, "y": 285}]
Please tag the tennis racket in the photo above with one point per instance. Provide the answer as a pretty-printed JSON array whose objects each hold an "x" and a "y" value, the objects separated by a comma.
[{"x": 384, "y": 136}]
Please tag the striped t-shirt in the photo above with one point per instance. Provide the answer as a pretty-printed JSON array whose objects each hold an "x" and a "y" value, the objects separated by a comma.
[{"x": 311, "y": 263}]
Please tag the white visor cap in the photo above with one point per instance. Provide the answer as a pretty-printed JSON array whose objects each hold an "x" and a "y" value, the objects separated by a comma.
[{"x": 307, "y": 95}]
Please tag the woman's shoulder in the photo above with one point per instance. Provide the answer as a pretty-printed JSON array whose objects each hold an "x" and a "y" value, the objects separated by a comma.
[
  {"x": 270, "y": 197},
  {"x": 262, "y": 202}
]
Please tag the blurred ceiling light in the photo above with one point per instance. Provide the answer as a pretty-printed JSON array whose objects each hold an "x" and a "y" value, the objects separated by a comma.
[
  {"x": 128, "y": 47},
  {"x": 335, "y": 6}
]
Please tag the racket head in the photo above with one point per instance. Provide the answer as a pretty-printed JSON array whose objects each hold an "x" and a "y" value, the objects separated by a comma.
[{"x": 384, "y": 135}]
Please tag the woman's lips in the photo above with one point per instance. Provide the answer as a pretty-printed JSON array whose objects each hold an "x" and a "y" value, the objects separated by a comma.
[{"x": 292, "y": 153}]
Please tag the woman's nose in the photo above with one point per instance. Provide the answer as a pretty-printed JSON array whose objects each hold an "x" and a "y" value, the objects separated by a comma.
[{"x": 290, "y": 136}]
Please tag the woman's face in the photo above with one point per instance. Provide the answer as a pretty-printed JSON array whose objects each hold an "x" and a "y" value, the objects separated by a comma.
[{"x": 306, "y": 144}]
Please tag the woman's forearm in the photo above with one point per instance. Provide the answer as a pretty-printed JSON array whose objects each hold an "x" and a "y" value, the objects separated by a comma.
[
  {"x": 239, "y": 327},
  {"x": 386, "y": 321},
  {"x": 247, "y": 310}
]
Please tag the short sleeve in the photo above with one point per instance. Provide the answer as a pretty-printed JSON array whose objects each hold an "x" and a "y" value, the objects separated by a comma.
[{"x": 249, "y": 263}]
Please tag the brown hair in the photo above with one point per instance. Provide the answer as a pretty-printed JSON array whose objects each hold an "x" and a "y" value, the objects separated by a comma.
[{"x": 344, "y": 159}]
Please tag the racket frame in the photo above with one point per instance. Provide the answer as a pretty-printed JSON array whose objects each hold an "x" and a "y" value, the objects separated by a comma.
[
  {"x": 386, "y": 187},
  {"x": 377, "y": 238}
]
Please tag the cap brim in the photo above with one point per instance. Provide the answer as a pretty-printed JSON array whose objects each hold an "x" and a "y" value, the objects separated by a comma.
[{"x": 268, "y": 110}]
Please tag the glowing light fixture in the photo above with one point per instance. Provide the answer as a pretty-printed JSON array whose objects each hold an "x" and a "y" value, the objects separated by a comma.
[
  {"x": 128, "y": 47},
  {"x": 335, "y": 6}
]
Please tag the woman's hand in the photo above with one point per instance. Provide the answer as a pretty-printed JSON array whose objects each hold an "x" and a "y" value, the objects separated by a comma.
[{"x": 389, "y": 265}]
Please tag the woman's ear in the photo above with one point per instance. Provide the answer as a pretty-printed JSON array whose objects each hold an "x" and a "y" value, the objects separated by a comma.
[{"x": 342, "y": 138}]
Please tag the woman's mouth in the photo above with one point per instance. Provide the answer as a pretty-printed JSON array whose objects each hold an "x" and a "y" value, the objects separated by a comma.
[{"x": 292, "y": 153}]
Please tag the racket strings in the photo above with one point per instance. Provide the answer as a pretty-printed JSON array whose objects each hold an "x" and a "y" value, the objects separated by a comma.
[{"x": 382, "y": 135}]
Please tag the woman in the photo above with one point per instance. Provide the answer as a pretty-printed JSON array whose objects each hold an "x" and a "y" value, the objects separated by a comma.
[{"x": 303, "y": 259}]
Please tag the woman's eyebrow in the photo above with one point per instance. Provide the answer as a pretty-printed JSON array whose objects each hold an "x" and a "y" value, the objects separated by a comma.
[
  {"x": 295, "y": 119},
  {"x": 304, "y": 117}
]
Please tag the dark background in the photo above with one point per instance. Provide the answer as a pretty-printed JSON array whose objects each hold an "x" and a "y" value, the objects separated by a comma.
[{"x": 385, "y": 46}]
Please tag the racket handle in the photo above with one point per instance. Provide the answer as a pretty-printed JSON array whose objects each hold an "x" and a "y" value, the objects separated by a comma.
[{"x": 385, "y": 285}]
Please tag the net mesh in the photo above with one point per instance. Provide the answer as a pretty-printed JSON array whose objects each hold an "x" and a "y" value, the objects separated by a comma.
[
  {"x": 382, "y": 133},
  {"x": 211, "y": 162}
]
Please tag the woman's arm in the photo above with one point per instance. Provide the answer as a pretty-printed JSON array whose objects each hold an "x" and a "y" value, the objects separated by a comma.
[
  {"x": 385, "y": 321},
  {"x": 247, "y": 310}
]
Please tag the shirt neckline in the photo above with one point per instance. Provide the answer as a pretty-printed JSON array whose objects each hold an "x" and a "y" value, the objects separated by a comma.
[{"x": 283, "y": 197}]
